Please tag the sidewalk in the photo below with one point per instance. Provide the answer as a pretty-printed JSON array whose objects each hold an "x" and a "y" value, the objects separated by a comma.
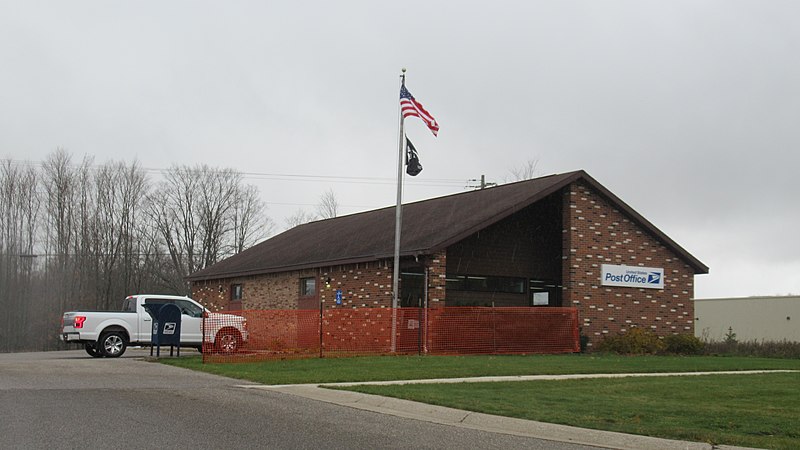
[{"x": 498, "y": 424}]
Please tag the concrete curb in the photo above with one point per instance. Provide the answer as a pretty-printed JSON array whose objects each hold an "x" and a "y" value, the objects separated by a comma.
[{"x": 498, "y": 424}]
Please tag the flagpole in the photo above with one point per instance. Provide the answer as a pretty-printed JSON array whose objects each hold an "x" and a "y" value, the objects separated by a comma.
[{"x": 398, "y": 223}]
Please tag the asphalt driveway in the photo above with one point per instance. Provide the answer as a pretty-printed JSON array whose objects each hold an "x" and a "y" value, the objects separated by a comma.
[{"x": 70, "y": 400}]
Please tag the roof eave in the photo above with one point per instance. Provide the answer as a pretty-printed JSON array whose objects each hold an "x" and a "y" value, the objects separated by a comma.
[
  {"x": 304, "y": 266},
  {"x": 693, "y": 262}
]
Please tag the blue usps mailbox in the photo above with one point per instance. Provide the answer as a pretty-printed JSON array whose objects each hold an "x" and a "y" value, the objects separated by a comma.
[{"x": 166, "y": 328}]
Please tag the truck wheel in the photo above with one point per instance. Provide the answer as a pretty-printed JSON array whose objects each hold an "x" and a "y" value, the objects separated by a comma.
[
  {"x": 92, "y": 351},
  {"x": 112, "y": 344},
  {"x": 228, "y": 340}
]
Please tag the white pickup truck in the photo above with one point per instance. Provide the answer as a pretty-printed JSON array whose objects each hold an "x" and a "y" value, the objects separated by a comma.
[{"x": 108, "y": 333}]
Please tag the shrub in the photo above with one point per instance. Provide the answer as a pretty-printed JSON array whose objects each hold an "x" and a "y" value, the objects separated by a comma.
[
  {"x": 766, "y": 349},
  {"x": 637, "y": 341},
  {"x": 683, "y": 344},
  {"x": 730, "y": 336}
]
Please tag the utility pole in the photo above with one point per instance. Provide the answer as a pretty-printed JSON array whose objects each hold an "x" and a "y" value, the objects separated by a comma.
[{"x": 483, "y": 184}]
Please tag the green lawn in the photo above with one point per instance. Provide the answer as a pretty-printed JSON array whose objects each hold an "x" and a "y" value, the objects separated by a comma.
[
  {"x": 747, "y": 410},
  {"x": 377, "y": 368}
]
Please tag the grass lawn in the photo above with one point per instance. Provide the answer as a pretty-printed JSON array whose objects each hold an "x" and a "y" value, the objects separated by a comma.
[
  {"x": 748, "y": 410},
  {"x": 378, "y": 368}
]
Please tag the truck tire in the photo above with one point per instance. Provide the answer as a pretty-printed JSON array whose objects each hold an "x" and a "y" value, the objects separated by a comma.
[
  {"x": 112, "y": 344},
  {"x": 92, "y": 351},
  {"x": 228, "y": 340}
]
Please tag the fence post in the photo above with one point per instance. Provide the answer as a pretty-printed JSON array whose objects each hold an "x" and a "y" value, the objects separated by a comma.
[
  {"x": 425, "y": 305},
  {"x": 494, "y": 331},
  {"x": 320, "y": 327},
  {"x": 419, "y": 327}
]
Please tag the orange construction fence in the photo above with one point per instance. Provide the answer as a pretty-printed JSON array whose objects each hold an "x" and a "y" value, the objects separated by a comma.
[{"x": 283, "y": 334}]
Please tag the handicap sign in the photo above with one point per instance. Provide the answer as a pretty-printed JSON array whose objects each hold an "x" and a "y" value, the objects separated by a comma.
[{"x": 338, "y": 296}]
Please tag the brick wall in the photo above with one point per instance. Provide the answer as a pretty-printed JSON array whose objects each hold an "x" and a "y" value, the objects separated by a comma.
[
  {"x": 595, "y": 233},
  {"x": 269, "y": 291},
  {"x": 362, "y": 285},
  {"x": 437, "y": 279}
]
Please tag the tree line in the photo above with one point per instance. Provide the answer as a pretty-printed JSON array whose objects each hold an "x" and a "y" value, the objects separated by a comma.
[{"x": 78, "y": 235}]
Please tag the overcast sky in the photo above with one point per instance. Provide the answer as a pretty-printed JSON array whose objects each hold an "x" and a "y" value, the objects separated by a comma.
[{"x": 687, "y": 110}]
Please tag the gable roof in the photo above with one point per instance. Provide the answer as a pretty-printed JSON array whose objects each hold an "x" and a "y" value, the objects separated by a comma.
[{"x": 428, "y": 226}]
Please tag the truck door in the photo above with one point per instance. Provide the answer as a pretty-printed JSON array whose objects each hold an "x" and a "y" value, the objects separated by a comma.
[
  {"x": 144, "y": 329},
  {"x": 191, "y": 322}
]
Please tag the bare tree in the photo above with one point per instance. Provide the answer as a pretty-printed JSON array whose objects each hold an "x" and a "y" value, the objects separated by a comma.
[
  {"x": 69, "y": 195},
  {"x": 217, "y": 207},
  {"x": 299, "y": 218},
  {"x": 525, "y": 172},
  {"x": 133, "y": 193},
  {"x": 59, "y": 187},
  {"x": 119, "y": 191},
  {"x": 19, "y": 208},
  {"x": 250, "y": 224},
  {"x": 173, "y": 209},
  {"x": 202, "y": 215},
  {"x": 83, "y": 236},
  {"x": 328, "y": 206}
]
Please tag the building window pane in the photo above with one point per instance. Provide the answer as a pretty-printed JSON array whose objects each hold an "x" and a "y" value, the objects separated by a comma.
[
  {"x": 456, "y": 283},
  {"x": 308, "y": 287},
  {"x": 545, "y": 293},
  {"x": 236, "y": 292},
  {"x": 541, "y": 298},
  {"x": 477, "y": 283}
]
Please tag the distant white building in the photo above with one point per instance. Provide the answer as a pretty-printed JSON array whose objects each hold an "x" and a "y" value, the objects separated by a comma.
[{"x": 751, "y": 318}]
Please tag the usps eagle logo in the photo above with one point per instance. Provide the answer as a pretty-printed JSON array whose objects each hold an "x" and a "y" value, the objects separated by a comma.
[{"x": 654, "y": 278}]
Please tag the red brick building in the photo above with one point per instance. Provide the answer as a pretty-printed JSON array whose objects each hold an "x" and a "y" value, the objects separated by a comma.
[{"x": 560, "y": 240}]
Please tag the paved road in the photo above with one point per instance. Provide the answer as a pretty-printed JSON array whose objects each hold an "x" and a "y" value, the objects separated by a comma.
[{"x": 69, "y": 400}]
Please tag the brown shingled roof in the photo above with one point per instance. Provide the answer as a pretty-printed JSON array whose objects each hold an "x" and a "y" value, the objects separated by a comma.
[{"x": 428, "y": 226}]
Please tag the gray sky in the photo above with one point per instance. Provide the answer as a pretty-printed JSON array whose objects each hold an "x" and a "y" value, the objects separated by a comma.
[{"x": 687, "y": 110}]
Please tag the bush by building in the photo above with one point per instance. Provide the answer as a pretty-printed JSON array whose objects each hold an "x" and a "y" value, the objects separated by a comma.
[
  {"x": 683, "y": 344},
  {"x": 637, "y": 341},
  {"x": 640, "y": 341}
]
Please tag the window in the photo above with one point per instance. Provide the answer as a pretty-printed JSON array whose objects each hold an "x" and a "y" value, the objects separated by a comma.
[
  {"x": 541, "y": 298},
  {"x": 129, "y": 305},
  {"x": 412, "y": 289},
  {"x": 545, "y": 293},
  {"x": 485, "y": 284},
  {"x": 236, "y": 292},
  {"x": 308, "y": 287},
  {"x": 189, "y": 308}
]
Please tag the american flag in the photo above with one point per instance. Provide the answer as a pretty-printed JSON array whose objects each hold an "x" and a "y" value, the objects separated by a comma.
[{"x": 410, "y": 107}]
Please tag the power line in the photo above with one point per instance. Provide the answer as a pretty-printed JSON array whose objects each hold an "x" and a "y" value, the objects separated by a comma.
[
  {"x": 433, "y": 182},
  {"x": 264, "y": 176}
]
